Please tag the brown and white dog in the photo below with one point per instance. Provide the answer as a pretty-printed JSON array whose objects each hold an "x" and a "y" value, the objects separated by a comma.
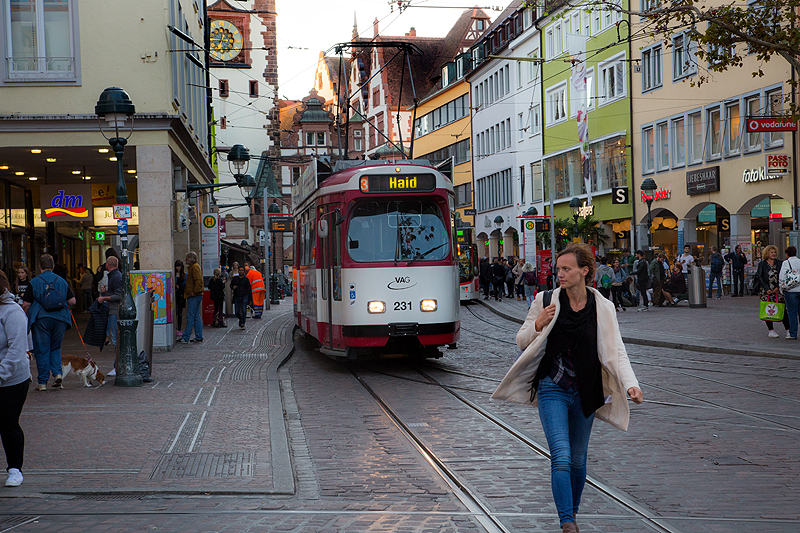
[{"x": 86, "y": 369}]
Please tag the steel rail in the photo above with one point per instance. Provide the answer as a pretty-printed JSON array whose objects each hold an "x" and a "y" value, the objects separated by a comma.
[{"x": 480, "y": 511}]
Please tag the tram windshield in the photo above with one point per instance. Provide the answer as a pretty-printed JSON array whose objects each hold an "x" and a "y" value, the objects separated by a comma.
[{"x": 389, "y": 230}]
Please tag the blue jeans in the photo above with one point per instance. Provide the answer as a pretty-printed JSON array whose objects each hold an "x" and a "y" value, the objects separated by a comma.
[
  {"x": 111, "y": 330},
  {"x": 530, "y": 294},
  {"x": 718, "y": 277},
  {"x": 47, "y": 336},
  {"x": 194, "y": 318},
  {"x": 792, "y": 306},
  {"x": 240, "y": 304},
  {"x": 567, "y": 431}
]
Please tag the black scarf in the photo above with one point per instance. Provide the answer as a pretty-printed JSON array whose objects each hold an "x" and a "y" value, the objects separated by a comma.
[{"x": 576, "y": 332}]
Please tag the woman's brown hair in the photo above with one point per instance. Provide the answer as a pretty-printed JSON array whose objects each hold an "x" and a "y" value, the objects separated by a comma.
[
  {"x": 5, "y": 286},
  {"x": 584, "y": 258}
]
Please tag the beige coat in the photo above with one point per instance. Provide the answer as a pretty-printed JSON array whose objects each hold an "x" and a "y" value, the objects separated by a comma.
[{"x": 618, "y": 375}]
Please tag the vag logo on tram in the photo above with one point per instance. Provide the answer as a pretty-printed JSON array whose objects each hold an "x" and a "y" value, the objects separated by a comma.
[{"x": 399, "y": 283}]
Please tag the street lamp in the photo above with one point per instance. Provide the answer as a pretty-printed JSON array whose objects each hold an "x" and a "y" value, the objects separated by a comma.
[
  {"x": 273, "y": 209},
  {"x": 115, "y": 106},
  {"x": 648, "y": 186},
  {"x": 575, "y": 205},
  {"x": 498, "y": 223}
]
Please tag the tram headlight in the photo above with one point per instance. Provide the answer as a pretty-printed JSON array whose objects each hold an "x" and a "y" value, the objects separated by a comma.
[
  {"x": 427, "y": 305},
  {"x": 376, "y": 307}
]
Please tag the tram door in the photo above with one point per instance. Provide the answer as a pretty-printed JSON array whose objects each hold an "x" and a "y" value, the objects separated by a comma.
[{"x": 326, "y": 232}]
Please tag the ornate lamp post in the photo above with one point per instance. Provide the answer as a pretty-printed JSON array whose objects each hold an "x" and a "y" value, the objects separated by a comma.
[
  {"x": 575, "y": 205},
  {"x": 115, "y": 106},
  {"x": 648, "y": 186},
  {"x": 273, "y": 209}
]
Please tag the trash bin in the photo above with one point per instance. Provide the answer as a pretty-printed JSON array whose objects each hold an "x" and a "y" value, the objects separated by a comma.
[
  {"x": 697, "y": 286},
  {"x": 208, "y": 308}
]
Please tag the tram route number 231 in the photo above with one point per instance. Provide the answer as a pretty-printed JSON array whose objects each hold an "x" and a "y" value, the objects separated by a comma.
[{"x": 402, "y": 306}]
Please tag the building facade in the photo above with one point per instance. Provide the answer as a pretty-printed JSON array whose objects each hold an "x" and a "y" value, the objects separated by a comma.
[
  {"x": 718, "y": 183},
  {"x": 49, "y": 134}
]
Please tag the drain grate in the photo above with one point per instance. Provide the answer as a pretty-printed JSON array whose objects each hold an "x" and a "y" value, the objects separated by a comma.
[{"x": 202, "y": 465}]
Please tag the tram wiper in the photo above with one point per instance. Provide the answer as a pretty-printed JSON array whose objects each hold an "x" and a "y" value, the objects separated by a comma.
[{"x": 425, "y": 254}]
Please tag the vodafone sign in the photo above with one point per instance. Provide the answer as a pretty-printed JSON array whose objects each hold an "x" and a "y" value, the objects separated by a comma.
[{"x": 760, "y": 125}]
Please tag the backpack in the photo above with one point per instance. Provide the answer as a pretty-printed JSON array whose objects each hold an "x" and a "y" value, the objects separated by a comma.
[
  {"x": 606, "y": 281},
  {"x": 52, "y": 299},
  {"x": 717, "y": 263},
  {"x": 530, "y": 278}
]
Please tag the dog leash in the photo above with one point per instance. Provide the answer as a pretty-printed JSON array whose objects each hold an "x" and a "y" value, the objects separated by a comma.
[{"x": 88, "y": 355}]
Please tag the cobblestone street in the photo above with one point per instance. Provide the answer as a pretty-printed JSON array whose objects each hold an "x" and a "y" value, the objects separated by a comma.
[{"x": 225, "y": 440}]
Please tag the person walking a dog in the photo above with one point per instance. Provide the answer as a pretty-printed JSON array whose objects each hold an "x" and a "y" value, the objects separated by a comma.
[
  {"x": 15, "y": 379},
  {"x": 47, "y": 302}
]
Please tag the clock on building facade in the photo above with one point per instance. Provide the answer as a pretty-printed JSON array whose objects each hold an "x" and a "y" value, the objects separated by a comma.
[{"x": 226, "y": 40}]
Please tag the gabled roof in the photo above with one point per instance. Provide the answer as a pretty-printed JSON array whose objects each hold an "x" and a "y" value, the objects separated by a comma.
[{"x": 287, "y": 110}]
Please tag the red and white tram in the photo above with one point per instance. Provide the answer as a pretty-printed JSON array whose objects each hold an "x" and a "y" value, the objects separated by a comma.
[{"x": 375, "y": 267}]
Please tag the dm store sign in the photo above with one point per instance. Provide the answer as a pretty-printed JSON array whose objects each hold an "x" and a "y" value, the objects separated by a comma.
[{"x": 62, "y": 203}]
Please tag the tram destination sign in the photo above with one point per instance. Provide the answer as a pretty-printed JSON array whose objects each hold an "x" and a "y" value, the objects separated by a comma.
[
  {"x": 702, "y": 181},
  {"x": 383, "y": 183}
]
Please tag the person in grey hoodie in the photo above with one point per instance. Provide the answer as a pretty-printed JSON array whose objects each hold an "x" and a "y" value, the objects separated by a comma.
[{"x": 15, "y": 379}]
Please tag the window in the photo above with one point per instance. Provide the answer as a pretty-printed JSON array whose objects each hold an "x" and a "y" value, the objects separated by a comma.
[
  {"x": 376, "y": 96},
  {"x": 556, "y": 104},
  {"x": 651, "y": 68},
  {"x": 357, "y": 146},
  {"x": 752, "y": 106},
  {"x": 459, "y": 68},
  {"x": 224, "y": 89},
  {"x": 463, "y": 194},
  {"x": 648, "y": 159},
  {"x": 445, "y": 76},
  {"x": 521, "y": 126},
  {"x": 508, "y": 132},
  {"x": 733, "y": 128},
  {"x": 683, "y": 61},
  {"x": 557, "y": 40},
  {"x": 536, "y": 119},
  {"x": 309, "y": 138},
  {"x": 662, "y": 140},
  {"x": 713, "y": 133},
  {"x": 40, "y": 37},
  {"x": 773, "y": 104},
  {"x": 537, "y": 190},
  {"x": 533, "y": 66},
  {"x": 612, "y": 81},
  {"x": 502, "y": 129},
  {"x": 678, "y": 142},
  {"x": 502, "y": 82},
  {"x": 253, "y": 89},
  {"x": 527, "y": 18},
  {"x": 357, "y": 133},
  {"x": 607, "y": 164},
  {"x": 295, "y": 174},
  {"x": 695, "y": 124},
  {"x": 522, "y": 184},
  {"x": 494, "y": 190}
]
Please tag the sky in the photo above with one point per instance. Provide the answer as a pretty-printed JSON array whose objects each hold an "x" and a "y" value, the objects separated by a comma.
[{"x": 308, "y": 27}]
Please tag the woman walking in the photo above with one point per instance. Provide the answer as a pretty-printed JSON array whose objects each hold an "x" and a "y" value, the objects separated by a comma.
[
  {"x": 529, "y": 280},
  {"x": 21, "y": 283},
  {"x": 15, "y": 379},
  {"x": 766, "y": 279},
  {"x": 567, "y": 380},
  {"x": 620, "y": 275},
  {"x": 180, "y": 301},
  {"x": 518, "y": 282},
  {"x": 791, "y": 293},
  {"x": 216, "y": 288}
]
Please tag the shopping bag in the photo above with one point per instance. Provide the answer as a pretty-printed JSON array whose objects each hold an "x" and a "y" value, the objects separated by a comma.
[{"x": 772, "y": 311}]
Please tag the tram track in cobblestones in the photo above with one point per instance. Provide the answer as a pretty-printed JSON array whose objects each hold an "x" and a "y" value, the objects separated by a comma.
[{"x": 487, "y": 518}]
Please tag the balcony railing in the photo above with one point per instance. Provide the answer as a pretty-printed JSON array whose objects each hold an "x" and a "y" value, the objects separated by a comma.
[{"x": 38, "y": 68}]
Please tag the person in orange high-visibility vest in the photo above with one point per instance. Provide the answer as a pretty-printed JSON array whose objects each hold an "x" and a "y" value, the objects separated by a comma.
[{"x": 259, "y": 290}]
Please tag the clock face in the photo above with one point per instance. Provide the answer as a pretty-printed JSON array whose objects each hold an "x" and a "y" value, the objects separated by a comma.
[{"x": 226, "y": 40}]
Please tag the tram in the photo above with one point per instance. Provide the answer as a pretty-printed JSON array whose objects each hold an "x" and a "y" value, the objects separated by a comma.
[
  {"x": 467, "y": 252},
  {"x": 376, "y": 271}
]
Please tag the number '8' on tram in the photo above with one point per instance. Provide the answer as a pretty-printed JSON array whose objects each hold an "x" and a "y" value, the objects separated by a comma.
[{"x": 376, "y": 272}]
